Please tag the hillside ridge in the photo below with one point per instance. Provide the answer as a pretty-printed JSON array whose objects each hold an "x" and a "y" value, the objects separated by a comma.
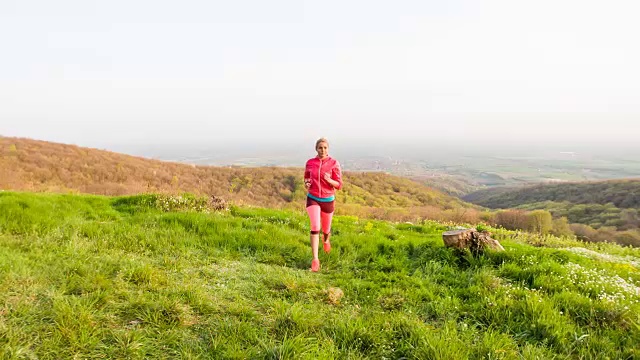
[
  {"x": 623, "y": 193},
  {"x": 34, "y": 165}
]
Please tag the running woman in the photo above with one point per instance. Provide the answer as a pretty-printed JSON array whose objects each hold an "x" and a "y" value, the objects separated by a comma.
[{"x": 322, "y": 177}]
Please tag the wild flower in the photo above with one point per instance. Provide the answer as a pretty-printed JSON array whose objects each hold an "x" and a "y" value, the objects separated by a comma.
[{"x": 602, "y": 285}]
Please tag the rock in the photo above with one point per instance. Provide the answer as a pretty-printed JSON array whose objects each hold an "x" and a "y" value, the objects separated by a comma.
[{"x": 334, "y": 295}]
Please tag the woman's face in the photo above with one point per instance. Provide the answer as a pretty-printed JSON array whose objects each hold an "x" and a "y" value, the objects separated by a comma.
[{"x": 322, "y": 149}]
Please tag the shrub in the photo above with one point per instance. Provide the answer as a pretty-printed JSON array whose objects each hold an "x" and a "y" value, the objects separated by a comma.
[
  {"x": 189, "y": 202},
  {"x": 511, "y": 219},
  {"x": 584, "y": 232},
  {"x": 539, "y": 221},
  {"x": 561, "y": 227},
  {"x": 629, "y": 237}
]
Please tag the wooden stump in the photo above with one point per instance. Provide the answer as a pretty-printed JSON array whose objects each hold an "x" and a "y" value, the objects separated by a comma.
[{"x": 472, "y": 239}]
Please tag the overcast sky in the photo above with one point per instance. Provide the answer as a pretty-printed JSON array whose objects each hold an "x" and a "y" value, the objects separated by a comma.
[{"x": 109, "y": 72}]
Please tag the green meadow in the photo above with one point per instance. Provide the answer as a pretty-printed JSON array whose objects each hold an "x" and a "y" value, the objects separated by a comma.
[{"x": 94, "y": 277}]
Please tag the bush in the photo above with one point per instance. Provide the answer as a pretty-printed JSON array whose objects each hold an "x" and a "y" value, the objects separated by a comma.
[
  {"x": 511, "y": 219},
  {"x": 561, "y": 227},
  {"x": 539, "y": 221},
  {"x": 584, "y": 232},
  {"x": 628, "y": 238}
]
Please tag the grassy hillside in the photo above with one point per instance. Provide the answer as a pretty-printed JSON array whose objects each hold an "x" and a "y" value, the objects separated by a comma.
[
  {"x": 43, "y": 166},
  {"x": 103, "y": 277}
]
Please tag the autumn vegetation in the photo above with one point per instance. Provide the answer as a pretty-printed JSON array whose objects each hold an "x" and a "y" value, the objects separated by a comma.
[{"x": 39, "y": 166}]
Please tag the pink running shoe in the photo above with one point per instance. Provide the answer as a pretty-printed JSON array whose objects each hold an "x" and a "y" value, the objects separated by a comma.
[
  {"x": 315, "y": 265},
  {"x": 326, "y": 245}
]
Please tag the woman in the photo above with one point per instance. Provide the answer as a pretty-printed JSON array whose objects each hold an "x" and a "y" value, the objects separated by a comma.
[{"x": 322, "y": 177}]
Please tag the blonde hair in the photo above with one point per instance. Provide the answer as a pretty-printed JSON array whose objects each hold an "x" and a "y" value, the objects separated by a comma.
[{"x": 322, "y": 140}]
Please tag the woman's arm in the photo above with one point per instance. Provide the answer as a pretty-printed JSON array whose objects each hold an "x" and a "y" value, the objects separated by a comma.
[
  {"x": 307, "y": 178},
  {"x": 335, "y": 178}
]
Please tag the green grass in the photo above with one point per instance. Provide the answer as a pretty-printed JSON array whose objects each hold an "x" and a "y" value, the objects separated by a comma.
[{"x": 100, "y": 277}]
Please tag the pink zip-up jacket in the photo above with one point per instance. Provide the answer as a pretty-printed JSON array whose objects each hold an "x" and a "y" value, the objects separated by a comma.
[{"x": 315, "y": 170}]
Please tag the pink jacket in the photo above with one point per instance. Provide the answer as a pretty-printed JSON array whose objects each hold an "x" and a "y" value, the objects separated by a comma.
[{"x": 315, "y": 170}]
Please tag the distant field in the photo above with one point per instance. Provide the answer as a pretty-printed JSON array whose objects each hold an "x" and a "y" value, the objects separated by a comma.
[{"x": 506, "y": 171}]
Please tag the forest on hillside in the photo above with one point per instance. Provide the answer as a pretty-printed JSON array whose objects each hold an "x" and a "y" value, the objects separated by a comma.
[
  {"x": 593, "y": 211},
  {"x": 623, "y": 194}
]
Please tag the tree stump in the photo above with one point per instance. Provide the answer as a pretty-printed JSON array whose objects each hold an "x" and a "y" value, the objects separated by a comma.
[{"x": 472, "y": 239}]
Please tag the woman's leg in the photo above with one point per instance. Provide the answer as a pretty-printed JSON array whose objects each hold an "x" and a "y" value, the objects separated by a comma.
[
  {"x": 326, "y": 216},
  {"x": 325, "y": 219},
  {"x": 314, "y": 218}
]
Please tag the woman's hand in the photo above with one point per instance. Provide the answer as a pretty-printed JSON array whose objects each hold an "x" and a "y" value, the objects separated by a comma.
[
  {"x": 307, "y": 183},
  {"x": 327, "y": 178}
]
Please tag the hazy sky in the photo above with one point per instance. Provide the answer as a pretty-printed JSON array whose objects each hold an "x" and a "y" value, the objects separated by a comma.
[{"x": 107, "y": 72}]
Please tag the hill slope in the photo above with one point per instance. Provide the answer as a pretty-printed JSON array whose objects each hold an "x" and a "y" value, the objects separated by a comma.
[
  {"x": 99, "y": 277},
  {"x": 607, "y": 205},
  {"x": 621, "y": 193},
  {"x": 43, "y": 166}
]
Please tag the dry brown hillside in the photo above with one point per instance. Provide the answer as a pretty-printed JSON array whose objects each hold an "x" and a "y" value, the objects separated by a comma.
[{"x": 31, "y": 165}]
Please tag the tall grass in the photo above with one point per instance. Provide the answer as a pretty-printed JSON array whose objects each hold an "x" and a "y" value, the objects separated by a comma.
[{"x": 100, "y": 277}]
